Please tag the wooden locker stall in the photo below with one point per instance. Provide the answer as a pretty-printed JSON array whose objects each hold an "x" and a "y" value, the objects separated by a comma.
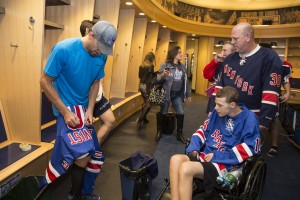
[
  {"x": 180, "y": 38},
  {"x": 151, "y": 38},
  {"x": 206, "y": 45},
  {"x": 162, "y": 46},
  {"x": 122, "y": 52},
  {"x": 108, "y": 10},
  {"x": 22, "y": 30},
  {"x": 136, "y": 53}
]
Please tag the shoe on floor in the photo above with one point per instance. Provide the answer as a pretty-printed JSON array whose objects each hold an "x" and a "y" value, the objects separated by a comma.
[
  {"x": 272, "y": 152},
  {"x": 85, "y": 197}
]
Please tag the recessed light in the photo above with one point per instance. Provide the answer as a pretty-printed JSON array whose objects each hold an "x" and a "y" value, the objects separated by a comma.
[
  {"x": 128, "y": 3},
  {"x": 164, "y": 26},
  {"x": 193, "y": 35},
  {"x": 153, "y": 21},
  {"x": 141, "y": 13}
]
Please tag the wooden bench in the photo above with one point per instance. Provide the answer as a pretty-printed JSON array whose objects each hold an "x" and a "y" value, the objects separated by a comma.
[{"x": 15, "y": 163}]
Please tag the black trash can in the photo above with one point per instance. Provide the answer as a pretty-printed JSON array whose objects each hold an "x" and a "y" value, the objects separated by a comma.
[
  {"x": 137, "y": 173},
  {"x": 169, "y": 124}
]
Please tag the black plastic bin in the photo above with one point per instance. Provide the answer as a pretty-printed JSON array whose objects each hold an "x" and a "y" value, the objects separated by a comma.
[
  {"x": 136, "y": 183},
  {"x": 169, "y": 125}
]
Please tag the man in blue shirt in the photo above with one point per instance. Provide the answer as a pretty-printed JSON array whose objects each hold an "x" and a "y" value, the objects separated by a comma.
[{"x": 70, "y": 80}]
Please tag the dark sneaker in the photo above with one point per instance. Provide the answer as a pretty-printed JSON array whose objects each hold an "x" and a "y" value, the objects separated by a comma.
[
  {"x": 85, "y": 197},
  {"x": 272, "y": 152},
  {"x": 91, "y": 197}
]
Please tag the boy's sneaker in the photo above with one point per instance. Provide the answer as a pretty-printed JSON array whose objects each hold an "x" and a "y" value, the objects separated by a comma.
[{"x": 272, "y": 152}]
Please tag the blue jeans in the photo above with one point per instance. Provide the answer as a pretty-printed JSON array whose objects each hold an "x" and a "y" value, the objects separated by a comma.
[{"x": 176, "y": 103}]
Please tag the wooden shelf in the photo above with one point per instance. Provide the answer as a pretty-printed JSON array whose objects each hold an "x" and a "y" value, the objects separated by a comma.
[
  {"x": 57, "y": 2},
  {"x": 297, "y": 47},
  {"x": 278, "y": 47},
  {"x": 294, "y": 55},
  {"x": 52, "y": 25},
  {"x": 2, "y": 10}
]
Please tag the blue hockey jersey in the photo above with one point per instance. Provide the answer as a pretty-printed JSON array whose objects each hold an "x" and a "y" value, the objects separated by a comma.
[
  {"x": 230, "y": 139},
  {"x": 257, "y": 78}
]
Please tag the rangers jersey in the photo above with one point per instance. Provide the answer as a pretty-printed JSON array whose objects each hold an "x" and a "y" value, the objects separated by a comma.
[
  {"x": 230, "y": 139},
  {"x": 72, "y": 143},
  {"x": 257, "y": 78}
]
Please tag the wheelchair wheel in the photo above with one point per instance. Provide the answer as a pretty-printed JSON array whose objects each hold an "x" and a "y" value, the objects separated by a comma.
[{"x": 255, "y": 181}]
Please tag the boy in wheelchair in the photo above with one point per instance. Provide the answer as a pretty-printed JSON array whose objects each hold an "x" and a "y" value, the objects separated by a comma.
[{"x": 228, "y": 137}]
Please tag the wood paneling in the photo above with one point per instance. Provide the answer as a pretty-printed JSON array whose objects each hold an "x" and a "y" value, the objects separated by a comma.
[
  {"x": 122, "y": 52},
  {"x": 70, "y": 16},
  {"x": 204, "y": 57},
  {"x": 151, "y": 38},
  {"x": 162, "y": 46},
  {"x": 108, "y": 10},
  {"x": 20, "y": 54},
  {"x": 181, "y": 42},
  {"x": 136, "y": 54}
]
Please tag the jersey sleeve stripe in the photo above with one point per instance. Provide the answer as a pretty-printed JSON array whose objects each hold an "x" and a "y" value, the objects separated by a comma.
[
  {"x": 220, "y": 168},
  {"x": 242, "y": 152},
  {"x": 51, "y": 173},
  {"x": 200, "y": 134}
]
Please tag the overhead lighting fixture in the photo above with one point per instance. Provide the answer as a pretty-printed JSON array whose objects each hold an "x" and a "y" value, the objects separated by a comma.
[
  {"x": 153, "y": 21},
  {"x": 193, "y": 35},
  {"x": 142, "y": 14},
  {"x": 128, "y": 3},
  {"x": 164, "y": 26}
]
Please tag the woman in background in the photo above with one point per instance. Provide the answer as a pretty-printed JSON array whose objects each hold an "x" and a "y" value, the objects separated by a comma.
[
  {"x": 172, "y": 74},
  {"x": 146, "y": 74}
]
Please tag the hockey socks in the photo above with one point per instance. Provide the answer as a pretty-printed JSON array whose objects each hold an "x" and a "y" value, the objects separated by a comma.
[{"x": 77, "y": 177}]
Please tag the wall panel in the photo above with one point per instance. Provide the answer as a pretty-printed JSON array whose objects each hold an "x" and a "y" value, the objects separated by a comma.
[
  {"x": 136, "y": 54},
  {"x": 151, "y": 38},
  {"x": 122, "y": 52},
  {"x": 162, "y": 46},
  {"x": 108, "y": 10},
  {"x": 204, "y": 57}
]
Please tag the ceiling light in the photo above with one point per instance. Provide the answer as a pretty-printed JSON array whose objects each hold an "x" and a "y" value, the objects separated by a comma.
[
  {"x": 164, "y": 26},
  {"x": 141, "y": 13},
  {"x": 193, "y": 35},
  {"x": 128, "y": 3},
  {"x": 153, "y": 21}
]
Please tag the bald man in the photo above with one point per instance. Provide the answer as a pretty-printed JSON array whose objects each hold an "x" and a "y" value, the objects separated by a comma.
[{"x": 255, "y": 72}]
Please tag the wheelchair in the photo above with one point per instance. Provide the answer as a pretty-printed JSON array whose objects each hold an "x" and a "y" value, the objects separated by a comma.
[{"x": 250, "y": 187}]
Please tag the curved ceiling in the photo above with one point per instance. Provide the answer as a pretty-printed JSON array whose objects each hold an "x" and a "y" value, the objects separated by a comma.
[{"x": 243, "y": 4}]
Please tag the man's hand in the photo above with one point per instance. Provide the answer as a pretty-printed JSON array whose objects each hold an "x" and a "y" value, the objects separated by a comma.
[
  {"x": 219, "y": 58},
  {"x": 285, "y": 97},
  {"x": 188, "y": 99},
  {"x": 71, "y": 118},
  {"x": 88, "y": 119},
  {"x": 208, "y": 157}
]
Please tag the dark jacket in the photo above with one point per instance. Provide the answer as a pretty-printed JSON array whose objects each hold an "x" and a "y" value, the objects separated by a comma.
[{"x": 168, "y": 81}]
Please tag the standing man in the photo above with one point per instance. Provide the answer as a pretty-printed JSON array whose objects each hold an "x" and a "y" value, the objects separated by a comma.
[
  {"x": 102, "y": 107},
  {"x": 70, "y": 80},
  {"x": 255, "y": 72},
  {"x": 212, "y": 71}
]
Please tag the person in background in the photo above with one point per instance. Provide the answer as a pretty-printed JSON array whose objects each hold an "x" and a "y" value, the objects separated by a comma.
[
  {"x": 255, "y": 72},
  {"x": 102, "y": 107},
  {"x": 70, "y": 80},
  {"x": 173, "y": 76},
  {"x": 275, "y": 128},
  {"x": 146, "y": 74},
  {"x": 227, "y": 137},
  {"x": 212, "y": 71}
]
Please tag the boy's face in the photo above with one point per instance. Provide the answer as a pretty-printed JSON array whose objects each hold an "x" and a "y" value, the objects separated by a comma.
[{"x": 222, "y": 107}]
